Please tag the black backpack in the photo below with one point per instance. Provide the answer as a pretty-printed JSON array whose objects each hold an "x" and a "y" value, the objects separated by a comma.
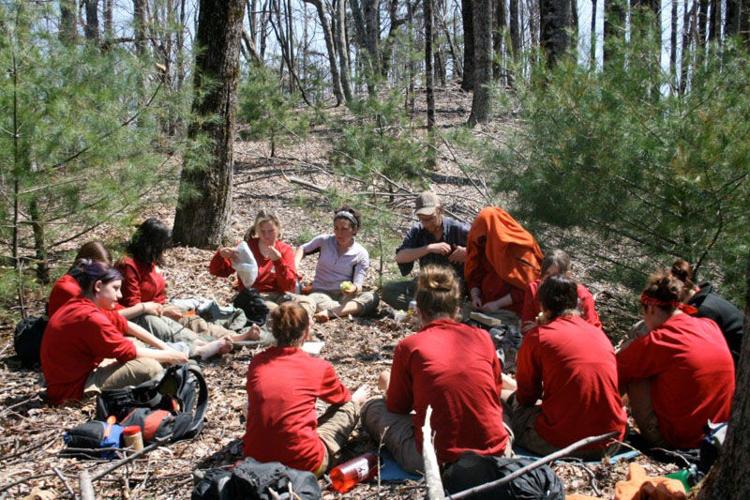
[
  {"x": 255, "y": 480},
  {"x": 473, "y": 470},
  {"x": 28, "y": 340},
  {"x": 252, "y": 304},
  {"x": 171, "y": 408}
]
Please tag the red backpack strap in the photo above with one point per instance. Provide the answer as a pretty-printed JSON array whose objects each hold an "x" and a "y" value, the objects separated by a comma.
[{"x": 152, "y": 422}]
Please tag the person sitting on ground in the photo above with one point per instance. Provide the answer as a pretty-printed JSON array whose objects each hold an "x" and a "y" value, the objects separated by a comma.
[
  {"x": 143, "y": 282},
  {"x": 341, "y": 270},
  {"x": 680, "y": 374},
  {"x": 502, "y": 259},
  {"x": 283, "y": 384},
  {"x": 435, "y": 240},
  {"x": 449, "y": 366},
  {"x": 711, "y": 305},
  {"x": 67, "y": 287},
  {"x": 570, "y": 365},
  {"x": 84, "y": 352},
  {"x": 556, "y": 263},
  {"x": 277, "y": 274}
]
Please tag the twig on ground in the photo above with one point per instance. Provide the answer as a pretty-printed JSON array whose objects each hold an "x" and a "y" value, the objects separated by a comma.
[
  {"x": 431, "y": 467},
  {"x": 20, "y": 403},
  {"x": 59, "y": 474},
  {"x": 26, "y": 479},
  {"x": 127, "y": 460}
]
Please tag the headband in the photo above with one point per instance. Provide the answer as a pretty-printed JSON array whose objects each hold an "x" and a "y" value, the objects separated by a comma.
[
  {"x": 348, "y": 216},
  {"x": 647, "y": 300}
]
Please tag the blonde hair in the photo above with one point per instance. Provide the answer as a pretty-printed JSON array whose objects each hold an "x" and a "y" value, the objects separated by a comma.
[
  {"x": 438, "y": 292},
  {"x": 263, "y": 217}
]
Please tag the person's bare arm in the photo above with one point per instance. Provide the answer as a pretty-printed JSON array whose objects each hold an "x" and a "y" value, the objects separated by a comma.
[
  {"x": 131, "y": 312},
  {"x": 167, "y": 356},
  {"x": 146, "y": 337},
  {"x": 406, "y": 255}
]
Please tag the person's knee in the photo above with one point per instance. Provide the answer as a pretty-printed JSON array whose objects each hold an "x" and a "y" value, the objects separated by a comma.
[{"x": 149, "y": 368}]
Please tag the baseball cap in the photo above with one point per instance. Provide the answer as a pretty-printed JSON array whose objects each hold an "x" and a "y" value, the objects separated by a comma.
[{"x": 426, "y": 204}]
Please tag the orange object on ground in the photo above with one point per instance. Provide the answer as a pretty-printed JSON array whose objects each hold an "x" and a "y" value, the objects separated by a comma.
[
  {"x": 639, "y": 486},
  {"x": 500, "y": 252}
]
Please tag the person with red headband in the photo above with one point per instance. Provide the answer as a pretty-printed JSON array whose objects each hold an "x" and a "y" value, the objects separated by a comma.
[{"x": 679, "y": 375}]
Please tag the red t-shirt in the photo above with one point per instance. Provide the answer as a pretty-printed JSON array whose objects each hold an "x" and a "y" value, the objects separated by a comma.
[
  {"x": 453, "y": 368},
  {"x": 78, "y": 337},
  {"x": 531, "y": 307},
  {"x": 273, "y": 276},
  {"x": 571, "y": 366},
  {"x": 141, "y": 283},
  {"x": 691, "y": 372},
  {"x": 67, "y": 288},
  {"x": 283, "y": 384},
  {"x": 484, "y": 277}
]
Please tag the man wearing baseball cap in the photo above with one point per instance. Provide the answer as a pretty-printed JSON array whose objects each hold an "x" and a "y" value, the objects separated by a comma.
[{"x": 436, "y": 239}]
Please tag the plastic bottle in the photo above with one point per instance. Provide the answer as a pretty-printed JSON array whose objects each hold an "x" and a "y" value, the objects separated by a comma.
[
  {"x": 132, "y": 437},
  {"x": 346, "y": 476}
]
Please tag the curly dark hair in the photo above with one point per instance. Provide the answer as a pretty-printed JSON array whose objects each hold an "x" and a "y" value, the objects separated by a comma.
[
  {"x": 149, "y": 242},
  {"x": 666, "y": 288},
  {"x": 558, "y": 295},
  {"x": 288, "y": 324}
]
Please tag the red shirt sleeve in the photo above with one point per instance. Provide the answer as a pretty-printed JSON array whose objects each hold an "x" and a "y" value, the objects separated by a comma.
[
  {"x": 399, "y": 397},
  {"x": 111, "y": 343},
  {"x": 529, "y": 370},
  {"x": 286, "y": 272},
  {"x": 587, "y": 307},
  {"x": 220, "y": 266},
  {"x": 131, "y": 283},
  {"x": 639, "y": 360},
  {"x": 63, "y": 290},
  {"x": 528, "y": 311},
  {"x": 332, "y": 391},
  {"x": 118, "y": 321}
]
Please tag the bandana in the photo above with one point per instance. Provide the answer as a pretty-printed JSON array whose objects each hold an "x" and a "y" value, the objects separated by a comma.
[
  {"x": 653, "y": 301},
  {"x": 348, "y": 216}
]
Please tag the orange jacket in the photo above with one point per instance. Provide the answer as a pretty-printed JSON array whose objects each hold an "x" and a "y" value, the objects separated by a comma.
[{"x": 497, "y": 239}]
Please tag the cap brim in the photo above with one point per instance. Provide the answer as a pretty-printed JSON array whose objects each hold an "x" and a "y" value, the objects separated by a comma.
[{"x": 426, "y": 211}]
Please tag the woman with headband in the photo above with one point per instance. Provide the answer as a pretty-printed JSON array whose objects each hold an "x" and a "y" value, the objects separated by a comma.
[
  {"x": 341, "y": 270},
  {"x": 680, "y": 374}
]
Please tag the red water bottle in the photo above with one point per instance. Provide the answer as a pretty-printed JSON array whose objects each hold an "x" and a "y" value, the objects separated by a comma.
[{"x": 346, "y": 476}]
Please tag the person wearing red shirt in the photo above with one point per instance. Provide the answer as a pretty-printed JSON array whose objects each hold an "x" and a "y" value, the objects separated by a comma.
[
  {"x": 80, "y": 337},
  {"x": 570, "y": 365},
  {"x": 449, "y": 366},
  {"x": 680, "y": 374},
  {"x": 556, "y": 263},
  {"x": 502, "y": 259},
  {"x": 283, "y": 384},
  {"x": 277, "y": 274}
]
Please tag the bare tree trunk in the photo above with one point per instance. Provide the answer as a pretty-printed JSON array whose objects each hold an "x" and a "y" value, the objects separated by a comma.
[
  {"x": 139, "y": 26},
  {"x": 467, "y": 83},
  {"x": 91, "y": 30},
  {"x": 497, "y": 39},
  {"x": 412, "y": 65},
  {"x": 264, "y": 17},
  {"x": 554, "y": 22},
  {"x": 328, "y": 36},
  {"x": 180, "y": 42},
  {"x": 252, "y": 20},
  {"x": 714, "y": 20},
  {"x": 342, "y": 49},
  {"x": 673, "y": 44},
  {"x": 428, "y": 70},
  {"x": 40, "y": 245},
  {"x": 68, "y": 21},
  {"x": 481, "y": 104},
  {"x": 728, "y": 479},
  {"x": 205, "y": 195},
  {"x": 108, "y": 15},
  {"x": 288, "y": 17},
  {"x": 372, "y": 33},
  {"x": 593, "y": 29}
]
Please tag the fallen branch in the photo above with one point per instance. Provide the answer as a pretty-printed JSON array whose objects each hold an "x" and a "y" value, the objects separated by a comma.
[
  {"x": 431, "y": 466},
  {"x": 127, "y": 460},
  {"x": 21, "y": 481},
  {"x": 59, "y": 474},
  {"x": 84, "y": 484},
  {"x": 537, "y": 463}
]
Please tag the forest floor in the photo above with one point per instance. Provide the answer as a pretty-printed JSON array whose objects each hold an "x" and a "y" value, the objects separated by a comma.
[{"x": 31, "y": 432}]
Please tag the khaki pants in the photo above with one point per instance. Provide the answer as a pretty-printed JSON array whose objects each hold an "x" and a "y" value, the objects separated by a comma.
[
  {"x": 642, "y": 409},
  {"x": 395, "y": 431},
  {"x": 523, "y": 420},
  {"x": 111, "y": 374},
  {"x": 398, "y": 294},
  {"x": 334, "y": 428},
  {"x": 331, "y": 300}
]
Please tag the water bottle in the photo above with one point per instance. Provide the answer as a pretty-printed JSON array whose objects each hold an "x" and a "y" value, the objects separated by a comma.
[
  {"x": 132, "y": 437},
  {"x": 346, "y": 476}
]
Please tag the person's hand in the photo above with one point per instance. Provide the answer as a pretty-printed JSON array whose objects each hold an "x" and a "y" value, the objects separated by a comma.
[
  {"x": 490, "y": 307},
  {"x": 175, "y": 357},
  {"x": 172, "y": 312},
  {"x": 458, "y": 255},
  {"x": 228, "y": 253},
  {"x": 361, "y": 394},
  {"x": 153, "y": 308},
  {"x": 476, "y": 298},
  {"x": 441, "y": 248},
  {"x": 270, "y": 253}
]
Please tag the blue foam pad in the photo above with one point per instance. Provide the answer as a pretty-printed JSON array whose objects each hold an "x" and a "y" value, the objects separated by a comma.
[{"x": 391, "y": 471}]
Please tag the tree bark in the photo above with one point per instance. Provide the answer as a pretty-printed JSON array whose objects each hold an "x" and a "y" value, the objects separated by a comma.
[
  {"x": 428, "y": 70},
  {"x": 372, "y": 34},
  {"x": 205, "y": 195},
  {"x": 68, "y": 21},
  {"x": 108, "y": 16},
  {"x": 515, "y": 31},
  {"x": 497, "y": 39},
  {"x": 91, "y": 30},
  {"x": 467, "y": 83},
  {"x": 139, "y": 26},
  {"x": 481, "y": 104},
  {"x": 328, "y": 37},
  {"x": 554, "y": 22},
  {"x": 728, "y": 479},
  {"x": 342, "y": 49}
]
